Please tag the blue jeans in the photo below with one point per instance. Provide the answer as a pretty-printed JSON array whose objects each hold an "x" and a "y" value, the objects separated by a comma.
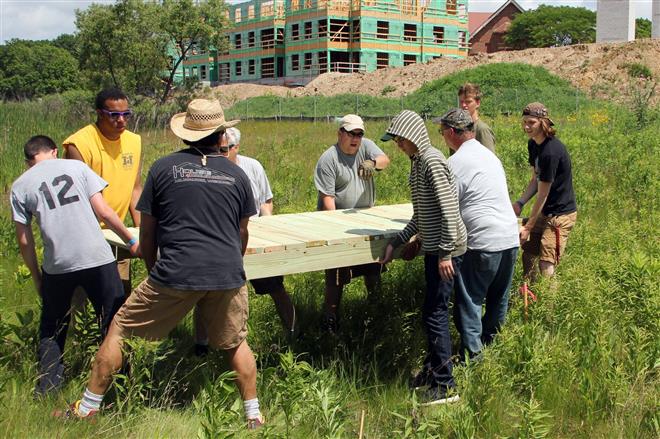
[
  {"x": 435, "y": 315},
  {"x": 486, "y": 278}
]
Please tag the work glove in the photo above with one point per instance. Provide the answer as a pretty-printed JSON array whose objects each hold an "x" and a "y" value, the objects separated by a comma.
[
  {"x": 366, "y": 169},
  {"x": 411, "y": 249}
]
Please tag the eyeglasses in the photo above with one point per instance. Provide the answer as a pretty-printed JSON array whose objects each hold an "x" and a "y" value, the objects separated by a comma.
[
  {"x": 117, "y": 114},
  {"x": 358, "y": 134}
]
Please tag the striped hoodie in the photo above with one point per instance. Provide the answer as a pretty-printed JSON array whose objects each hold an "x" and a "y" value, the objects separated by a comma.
[{"x": 436, "y": 217}]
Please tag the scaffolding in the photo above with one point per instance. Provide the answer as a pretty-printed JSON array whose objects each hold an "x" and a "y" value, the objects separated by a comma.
[{"x": 292, "y": 41}]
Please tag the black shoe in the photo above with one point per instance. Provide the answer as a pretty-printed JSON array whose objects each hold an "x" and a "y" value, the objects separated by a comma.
[
  {"x": 421, "y": 380},
  {"x": 330, "y": 323},
  {"x": 201, "y": 350},
  {"x": 437, "y": 396}
]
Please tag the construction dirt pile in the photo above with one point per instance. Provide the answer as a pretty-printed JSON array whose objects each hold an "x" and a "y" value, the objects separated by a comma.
[{"x": 599, "y": 69}]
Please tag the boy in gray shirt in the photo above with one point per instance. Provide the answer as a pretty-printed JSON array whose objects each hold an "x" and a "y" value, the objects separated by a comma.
[{"x": 64, "y": 195}]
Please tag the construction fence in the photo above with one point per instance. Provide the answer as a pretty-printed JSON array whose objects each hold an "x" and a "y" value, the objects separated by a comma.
[{"x": 313, "y": 108}]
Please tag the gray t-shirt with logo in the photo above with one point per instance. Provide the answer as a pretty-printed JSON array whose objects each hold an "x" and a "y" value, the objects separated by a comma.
[
  {"x": 56, "y": 193},
  {"x": 336, "y": 175}
]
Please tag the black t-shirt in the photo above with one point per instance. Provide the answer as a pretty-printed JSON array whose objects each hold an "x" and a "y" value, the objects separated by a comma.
[
  {"x": 553, "y": 165},
  {"x": 198, "y": 210}
]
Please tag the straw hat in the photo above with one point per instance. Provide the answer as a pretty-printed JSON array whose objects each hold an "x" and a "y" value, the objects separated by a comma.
[{"x": 202, "y": 118}]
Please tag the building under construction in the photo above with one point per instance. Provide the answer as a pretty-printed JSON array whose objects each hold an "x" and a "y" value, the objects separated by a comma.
[{"x": 292, "y": 41}]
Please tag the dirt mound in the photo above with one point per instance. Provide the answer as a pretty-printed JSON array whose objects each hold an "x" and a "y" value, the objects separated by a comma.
[{"x": 593, "y": 68}]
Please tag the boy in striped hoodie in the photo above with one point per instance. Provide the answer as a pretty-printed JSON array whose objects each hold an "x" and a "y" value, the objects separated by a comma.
[{"x": 437, "y": 222}]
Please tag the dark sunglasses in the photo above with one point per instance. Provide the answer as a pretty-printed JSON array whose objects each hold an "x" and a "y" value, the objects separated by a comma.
[
  {"x": 353, "y": 133},
  {"x": 117, "y": 114}
]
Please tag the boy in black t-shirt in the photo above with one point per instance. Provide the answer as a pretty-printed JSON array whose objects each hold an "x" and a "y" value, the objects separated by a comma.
[{"x": 554, "y": 212}]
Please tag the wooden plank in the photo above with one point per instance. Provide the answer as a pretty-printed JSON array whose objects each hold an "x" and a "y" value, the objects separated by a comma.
[
  {"x": 393, "y": 212},
  {"x": 258, "y": 245},
  {"x": 354, "y": 224},
  {"x": 282, "y": 233},
  {"x": 279, "y": 243},
  {"x": 321, "y": 226}
]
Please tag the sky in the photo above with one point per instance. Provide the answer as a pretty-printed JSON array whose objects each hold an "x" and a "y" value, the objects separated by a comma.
[{"x": 46, "y": 19}]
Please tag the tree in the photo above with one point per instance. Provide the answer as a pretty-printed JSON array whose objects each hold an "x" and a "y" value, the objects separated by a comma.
[
  {"x": 120, "y": 45},
  {"x": 550, "y": 26},
  {"x": 642, "y": 28},
  {"x": 68, "y": 42},
  {"x": 138, "y": 45},
  {"x": 35, "y": 68},
  {"x": 189, "y": 25}
]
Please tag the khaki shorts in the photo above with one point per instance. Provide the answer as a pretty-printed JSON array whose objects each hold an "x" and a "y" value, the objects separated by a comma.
[
  {"x": 124, "y": 269},
  {"x": 547, "y": 240},
  {"x": 342, "y": 276},
  {"x": 153, "y": 310}
]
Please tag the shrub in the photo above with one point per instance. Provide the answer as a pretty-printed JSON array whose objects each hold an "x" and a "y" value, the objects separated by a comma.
[{"x": 637, "y": 70}]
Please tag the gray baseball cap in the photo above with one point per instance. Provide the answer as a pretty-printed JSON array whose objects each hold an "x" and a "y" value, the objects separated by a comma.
[{"x": 456, "y": 118}]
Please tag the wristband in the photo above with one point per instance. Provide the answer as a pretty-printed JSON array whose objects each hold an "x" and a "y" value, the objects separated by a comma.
[
  {"x": 131, "y": 241},
  {"x": 520, "y": 201}
]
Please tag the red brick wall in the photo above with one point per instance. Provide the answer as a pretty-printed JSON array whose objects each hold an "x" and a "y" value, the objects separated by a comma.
[{"x": 491, "y": 37}]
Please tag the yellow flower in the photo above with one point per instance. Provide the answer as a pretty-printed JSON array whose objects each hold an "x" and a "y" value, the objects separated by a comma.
[{"x": 598, "y": 119}]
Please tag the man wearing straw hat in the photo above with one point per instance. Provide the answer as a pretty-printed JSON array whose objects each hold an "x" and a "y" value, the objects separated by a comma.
[
  {"x": 263, "y": 203},
  {"x": 195, "y": 206}
]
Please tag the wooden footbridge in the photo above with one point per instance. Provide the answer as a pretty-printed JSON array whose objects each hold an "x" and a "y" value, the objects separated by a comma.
[{"x": 312, "y": 241}]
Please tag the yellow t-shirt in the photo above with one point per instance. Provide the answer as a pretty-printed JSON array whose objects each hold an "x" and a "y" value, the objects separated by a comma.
[{"x": 116, "y": 161}]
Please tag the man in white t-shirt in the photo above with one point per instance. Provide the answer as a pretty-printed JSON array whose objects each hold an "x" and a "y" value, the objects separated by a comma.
[
  {"x": 492, "y": 230},
  {"x": 263, "y": 199}
]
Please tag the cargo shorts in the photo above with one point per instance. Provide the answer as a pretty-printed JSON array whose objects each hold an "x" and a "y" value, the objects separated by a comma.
[
  {"x": 153, "y": 310},
  {"x": 548, "y": 237}
]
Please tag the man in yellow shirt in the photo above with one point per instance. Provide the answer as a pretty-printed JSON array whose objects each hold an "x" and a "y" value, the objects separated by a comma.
[{"x": 114, "y": 153}]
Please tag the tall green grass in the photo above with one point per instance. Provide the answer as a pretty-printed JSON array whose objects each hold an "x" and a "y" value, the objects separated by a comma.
[{"x": 584, "y": 364}]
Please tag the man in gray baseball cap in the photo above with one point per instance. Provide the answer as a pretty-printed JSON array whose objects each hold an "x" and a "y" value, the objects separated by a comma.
[{"x": 492, "y": 233}]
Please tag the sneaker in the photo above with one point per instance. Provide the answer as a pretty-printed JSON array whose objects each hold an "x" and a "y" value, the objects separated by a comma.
[
  {"x": 437, "y": 396},
  {"x": 421, "y": 380},
  {"x": 330, "y": 323},
  {"x": 72, "y": 412},
  {"x": 255, "y": 423},
  {"x": 201, "y": 350}
]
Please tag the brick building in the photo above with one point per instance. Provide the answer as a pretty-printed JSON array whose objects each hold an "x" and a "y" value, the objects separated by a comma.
[{"x": 488, "y": 35}]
